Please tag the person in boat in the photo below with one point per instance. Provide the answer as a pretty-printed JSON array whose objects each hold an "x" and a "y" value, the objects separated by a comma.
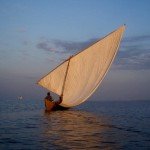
[
  {"x": 48, "y": 97},
  {"x": 50, "y": 103}
]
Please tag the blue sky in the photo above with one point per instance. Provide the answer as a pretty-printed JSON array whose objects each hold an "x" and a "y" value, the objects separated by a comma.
[{"x": 37, "y": 35}]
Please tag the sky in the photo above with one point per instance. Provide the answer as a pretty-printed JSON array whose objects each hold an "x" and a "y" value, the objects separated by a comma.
[{"x": 37, "y": 35}]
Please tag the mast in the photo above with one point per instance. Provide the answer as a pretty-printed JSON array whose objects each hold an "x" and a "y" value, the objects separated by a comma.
[{"x": 66, "y": 76}]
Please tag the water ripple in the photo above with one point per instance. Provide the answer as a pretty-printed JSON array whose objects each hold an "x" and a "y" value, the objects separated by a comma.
[{"x": 93, "y": 127}]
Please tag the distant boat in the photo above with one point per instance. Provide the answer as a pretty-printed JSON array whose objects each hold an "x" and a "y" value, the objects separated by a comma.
[
  {"x": 79, "y": 76},
  {"x": 20, "y": 97}
]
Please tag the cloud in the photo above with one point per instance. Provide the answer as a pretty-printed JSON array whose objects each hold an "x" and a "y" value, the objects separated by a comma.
[
  {"x": 136, "y": 60},
  {"x": 27, "y": 42},
  {"x": 73, "y": 47},
  {"x": 48, "y": 47},
  {"x": 136, "y": 39},
  {"x": 134, "y": 53},
  {"x": 65, "y": 47},
  {"x": 22, "y": 30},
  {"x": 44, "y": 46}
]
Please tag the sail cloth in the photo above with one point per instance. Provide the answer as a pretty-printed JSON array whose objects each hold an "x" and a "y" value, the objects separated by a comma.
[
  {"x": 78, "y": 77},
  {"x": 54, "y": 80}
]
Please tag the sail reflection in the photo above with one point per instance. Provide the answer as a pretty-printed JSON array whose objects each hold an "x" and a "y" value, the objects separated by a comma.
[{"x": 74, "y": 129}]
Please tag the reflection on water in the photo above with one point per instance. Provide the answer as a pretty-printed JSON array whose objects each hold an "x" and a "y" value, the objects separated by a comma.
[
  {"x": 76, "y": 130},
  {"x": 102, "y": 125}
]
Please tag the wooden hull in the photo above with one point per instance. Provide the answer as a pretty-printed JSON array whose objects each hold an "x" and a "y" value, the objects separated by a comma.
[
  {"x": 49, "y": 105},
  {"x": 52, "y": 106}
]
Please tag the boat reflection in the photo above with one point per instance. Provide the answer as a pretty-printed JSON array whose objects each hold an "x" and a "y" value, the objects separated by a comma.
[{"x": 75, "y": 129}]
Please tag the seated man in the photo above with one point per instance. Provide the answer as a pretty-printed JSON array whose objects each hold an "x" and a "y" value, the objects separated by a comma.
[{"x": 50, "y": 103}]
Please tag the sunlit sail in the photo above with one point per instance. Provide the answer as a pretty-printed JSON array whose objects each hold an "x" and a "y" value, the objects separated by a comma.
[{"x": 79, "y": 76}]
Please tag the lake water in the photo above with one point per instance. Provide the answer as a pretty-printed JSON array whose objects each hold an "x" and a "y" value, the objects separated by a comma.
[{"x": 92, "y": 125}]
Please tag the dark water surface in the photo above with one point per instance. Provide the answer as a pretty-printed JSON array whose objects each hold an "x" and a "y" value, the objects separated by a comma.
[{"x": 92, "y": 125}]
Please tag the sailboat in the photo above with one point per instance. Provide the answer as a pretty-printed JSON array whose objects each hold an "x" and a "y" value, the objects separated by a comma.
[{"x": 77, "y": 78}]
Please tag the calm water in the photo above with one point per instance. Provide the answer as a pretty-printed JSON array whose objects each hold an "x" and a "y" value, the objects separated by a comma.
[{"x": 93, "y": 125}]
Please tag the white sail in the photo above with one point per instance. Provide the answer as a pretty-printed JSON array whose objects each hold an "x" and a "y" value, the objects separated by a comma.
[
  {"x": 84, "y": 71},
  {"x": 54, "y": 80}
]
